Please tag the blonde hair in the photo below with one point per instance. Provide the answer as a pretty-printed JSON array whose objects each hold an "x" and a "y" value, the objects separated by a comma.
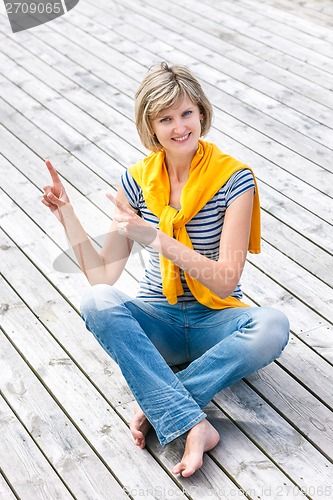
[{"x": 160, "y": 89}]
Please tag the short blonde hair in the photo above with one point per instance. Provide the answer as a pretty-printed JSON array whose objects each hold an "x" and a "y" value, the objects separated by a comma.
[{"x": 160, "y": 89}]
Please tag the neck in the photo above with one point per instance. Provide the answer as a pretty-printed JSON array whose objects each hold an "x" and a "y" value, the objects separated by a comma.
[{"x": 178, "y": 167}]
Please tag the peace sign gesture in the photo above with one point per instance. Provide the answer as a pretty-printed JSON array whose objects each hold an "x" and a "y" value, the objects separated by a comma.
[
  {"x": 131, "y": 225},
  {"x": 55, "y": 196}
]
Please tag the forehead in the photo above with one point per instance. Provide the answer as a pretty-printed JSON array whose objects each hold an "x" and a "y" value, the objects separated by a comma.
[{"x": 180, "y": 104}]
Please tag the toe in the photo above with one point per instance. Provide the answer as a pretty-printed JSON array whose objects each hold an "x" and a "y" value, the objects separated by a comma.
[
  {"x": 177, "y": 469},
  {"x": 188, "y": 471}
]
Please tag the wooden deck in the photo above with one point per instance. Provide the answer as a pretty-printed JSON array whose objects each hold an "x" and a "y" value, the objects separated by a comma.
[{"x": 67, "y": 94}]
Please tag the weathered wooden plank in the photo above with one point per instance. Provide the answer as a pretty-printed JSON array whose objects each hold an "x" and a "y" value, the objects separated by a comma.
[
  {"x": 296, "y": 280},
  {"x": 116, "y": 147},
  {"x": 6, "y": 492},
  {"x": 313, "y": 175},
  {"x": 254, "y": 99},
  {"x": 314, "y": 17},
  {"x": 249, "y": 468},
  {"x": 266, "y": 85},
  {"x": 16, "y": 283},
  {"x": 279, "y": 480},
  {"x": 111, "y": 394},
  {"x": 323, "y": 6},
  {"x": 275, "y": 84},
  {"x": 209, "y": 38},
  {"x": 304, "y": 364},
  {"x": 285, "y": 18},
  {"x": 305, "y": 217},
  {"x": 49, "y": 318},
  {"x": 52, "y": 227},
  {"x": 223, "y": 481},
  {"x": 70, "y": 455},
  {"x": 23, "y": 463},
  {"x": 296, "y": 246},
  {"x": 247, "y": 17},
  {"x": 321, "y": 339},
  {"x": 300, "y": 371},
  {"x": 106, "y": 101},
  {"x": 53, "y": 310},
  {"x": 81, "y": 401},
  {"x": 309, "y": 370},
  {"x": 96, "y": 222},
  {"x": 236, "y": 60},
  {"x": 253, "y": 38},
  {"x": 286, "y": 447},
  {"x": 297, "y": 405},
  {"x": 304, "y": 170}
]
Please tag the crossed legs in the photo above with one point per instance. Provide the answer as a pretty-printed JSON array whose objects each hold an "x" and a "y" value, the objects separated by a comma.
[{"x": 144, "y": 339}]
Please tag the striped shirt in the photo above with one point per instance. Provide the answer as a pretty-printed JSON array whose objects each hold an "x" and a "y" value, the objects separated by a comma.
[{"x": 204, "y": 231}]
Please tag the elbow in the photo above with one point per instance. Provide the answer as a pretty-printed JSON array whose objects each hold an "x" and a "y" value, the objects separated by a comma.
[
  {"x": 227, "y": 282},
  {"x": 224, "y": 292},
  {"x": 100, "y": 280},
  {"x": 224, "y": 288}
]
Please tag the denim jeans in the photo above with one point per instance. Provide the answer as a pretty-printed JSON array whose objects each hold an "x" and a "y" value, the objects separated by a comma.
[{"x": 147, "y": 338}]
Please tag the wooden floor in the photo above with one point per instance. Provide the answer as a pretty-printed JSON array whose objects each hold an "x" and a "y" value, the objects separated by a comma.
[{"x": 67, "y": 94}]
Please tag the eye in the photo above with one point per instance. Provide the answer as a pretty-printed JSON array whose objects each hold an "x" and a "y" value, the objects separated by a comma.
[
  {"x": 165, "y": 119},
  {"x": 187, "y": 113}
]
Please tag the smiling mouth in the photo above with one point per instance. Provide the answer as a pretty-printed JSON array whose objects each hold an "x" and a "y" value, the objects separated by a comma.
[{"x": 181, "y": 139}]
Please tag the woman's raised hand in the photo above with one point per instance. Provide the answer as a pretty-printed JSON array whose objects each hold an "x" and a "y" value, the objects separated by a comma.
[
  {"x": 131, "y": 225},
  {"x": 55, "y": 196}
]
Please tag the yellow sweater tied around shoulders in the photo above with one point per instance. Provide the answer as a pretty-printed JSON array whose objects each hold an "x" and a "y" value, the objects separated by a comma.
[{"x": 210, "y": 170}]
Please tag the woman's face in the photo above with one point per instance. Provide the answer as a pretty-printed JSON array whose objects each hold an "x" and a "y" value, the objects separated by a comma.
[{"x": 178, "y": 128}]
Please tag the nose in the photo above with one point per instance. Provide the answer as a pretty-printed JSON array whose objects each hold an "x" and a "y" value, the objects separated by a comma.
[{"x": 179, "y": 127}]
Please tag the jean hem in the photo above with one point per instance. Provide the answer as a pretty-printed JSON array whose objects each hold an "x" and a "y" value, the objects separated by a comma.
[{"x": 165, "y": 440}]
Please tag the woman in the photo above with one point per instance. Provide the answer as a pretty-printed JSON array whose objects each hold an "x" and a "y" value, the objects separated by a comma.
[{"x": 197, "y": 211}]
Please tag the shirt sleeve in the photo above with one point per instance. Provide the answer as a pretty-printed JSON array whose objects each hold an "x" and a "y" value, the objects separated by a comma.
[
  {"x": 132, "y": 190},
  {"x": 239, "y": 182}
]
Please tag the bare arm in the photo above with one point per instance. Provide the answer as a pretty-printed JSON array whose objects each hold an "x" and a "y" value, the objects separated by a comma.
[
  {"x": 103, "y": 267},
  {"x": 220, "y": 276}
]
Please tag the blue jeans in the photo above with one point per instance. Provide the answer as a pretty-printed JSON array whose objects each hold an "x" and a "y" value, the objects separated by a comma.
[{"x": 147, "y": 338}]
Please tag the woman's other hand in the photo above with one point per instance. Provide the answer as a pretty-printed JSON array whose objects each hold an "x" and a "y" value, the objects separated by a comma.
[
  {"x": 131, "y": 225},
  {"x": 55, "y": 196}
]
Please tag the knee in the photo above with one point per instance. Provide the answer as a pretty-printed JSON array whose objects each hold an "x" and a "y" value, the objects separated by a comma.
[
  {"x": 100, "y": 298},
  {"x": 279, "y": 326},
  {"x": 94, "y": 299},
  {"x": 273, "y": 330}
]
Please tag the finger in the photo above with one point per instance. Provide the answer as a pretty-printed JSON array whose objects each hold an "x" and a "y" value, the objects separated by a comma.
[
  {"x": 46, "y": 203},
  {"x": 121, "y": 218},
  {"x": 54, "y": 175},
  {"x": 52, "y": 206},
  {"x": 53, "y": 199},
  {"x": 118, "y": 204}
]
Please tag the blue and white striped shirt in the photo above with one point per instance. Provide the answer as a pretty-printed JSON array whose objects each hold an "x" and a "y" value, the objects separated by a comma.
[{"x": 204, "y": 231}]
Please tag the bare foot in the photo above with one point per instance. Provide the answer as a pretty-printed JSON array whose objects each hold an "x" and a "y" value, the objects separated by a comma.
[
  {"x": 202, "y": 437},
  {"x": 139, "y": 426}
]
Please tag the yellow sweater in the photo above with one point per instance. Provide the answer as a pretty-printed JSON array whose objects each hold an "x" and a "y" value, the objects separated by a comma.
[{"x": 210, "y": 170}]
